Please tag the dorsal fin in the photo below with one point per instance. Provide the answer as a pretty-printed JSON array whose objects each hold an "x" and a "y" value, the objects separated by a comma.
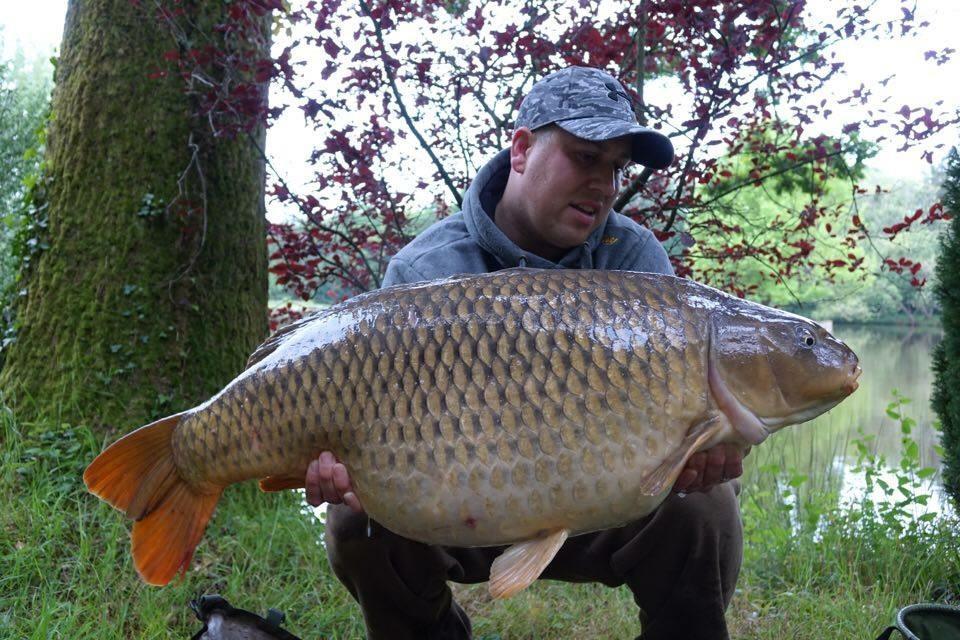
[{"x": 270, "y": 344}]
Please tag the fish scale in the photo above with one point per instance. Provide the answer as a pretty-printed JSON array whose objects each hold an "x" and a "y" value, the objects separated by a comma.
[{"x": 515, "y": 407}]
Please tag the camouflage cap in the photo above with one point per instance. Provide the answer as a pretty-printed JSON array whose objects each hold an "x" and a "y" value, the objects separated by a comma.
[{"x": 593, "y": 105}]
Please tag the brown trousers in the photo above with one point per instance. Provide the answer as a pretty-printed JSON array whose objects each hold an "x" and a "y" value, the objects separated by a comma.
[{"x": 681, "y": 563}]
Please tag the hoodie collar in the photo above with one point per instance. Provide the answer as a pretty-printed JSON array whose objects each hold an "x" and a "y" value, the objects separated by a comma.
[{"x": 479, "y": 203}]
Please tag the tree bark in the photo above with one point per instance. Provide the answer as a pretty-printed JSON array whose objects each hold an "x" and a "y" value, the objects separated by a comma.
[{"x": 152, "y": 290}]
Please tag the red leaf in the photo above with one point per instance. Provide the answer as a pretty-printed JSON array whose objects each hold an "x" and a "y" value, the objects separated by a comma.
[{"x": 331, "y": 47}]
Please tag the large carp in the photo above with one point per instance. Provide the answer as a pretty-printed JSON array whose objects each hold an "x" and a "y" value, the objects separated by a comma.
[{"x": 517, "y": 407}]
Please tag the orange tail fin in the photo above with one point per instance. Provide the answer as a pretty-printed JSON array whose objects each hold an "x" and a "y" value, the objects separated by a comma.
[{"x": 137, "y": 475}]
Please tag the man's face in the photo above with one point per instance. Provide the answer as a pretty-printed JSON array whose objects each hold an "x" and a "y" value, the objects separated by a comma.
[{"x": 565, "y": 188}]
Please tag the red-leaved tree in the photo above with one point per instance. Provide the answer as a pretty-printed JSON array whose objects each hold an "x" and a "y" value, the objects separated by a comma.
[{"x": 407, "y": 100}]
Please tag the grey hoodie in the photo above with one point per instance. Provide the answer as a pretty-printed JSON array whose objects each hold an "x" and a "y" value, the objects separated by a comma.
[{"x": 470, "y": 241}]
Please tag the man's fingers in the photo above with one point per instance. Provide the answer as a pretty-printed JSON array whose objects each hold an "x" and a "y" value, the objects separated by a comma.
[
  {"x": 733, "y": 467},
  {"x": 686, "y": 478},
  {"x": 351, "y": 500},
  {"x": 328, "y": 491},
  {"x": 706, "y": 469},
  {"x": 714, "y": 468},
  {"x": 694, "y": 471},
  {"x": 312, "y": 484},
  {"x": 697, "y": 461},
  {"x": 341, "y": 480}
]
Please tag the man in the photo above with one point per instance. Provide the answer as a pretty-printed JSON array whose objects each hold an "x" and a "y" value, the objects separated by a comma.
[{"x": 545, "y": 203}]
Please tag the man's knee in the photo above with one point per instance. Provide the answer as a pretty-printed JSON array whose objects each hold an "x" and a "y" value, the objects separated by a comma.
[
  {"x": 346, "y": 534},
  {"x": 682, "y": 564},
  {"x": 708, "y": 526},
  {"x": 714, "y": 513},
  {"x": 700, "y": 528},
  {"x": 400, "y": 584},
  {"x": 361, "y": 551}
]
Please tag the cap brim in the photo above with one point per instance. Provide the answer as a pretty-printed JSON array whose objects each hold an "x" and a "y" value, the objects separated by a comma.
[{"x": 650, "y": 148}]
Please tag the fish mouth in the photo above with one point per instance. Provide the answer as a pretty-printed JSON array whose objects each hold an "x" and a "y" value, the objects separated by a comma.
[{"x": 854, "y": 383}]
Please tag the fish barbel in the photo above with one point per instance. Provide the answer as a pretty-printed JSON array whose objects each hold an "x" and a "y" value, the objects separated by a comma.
[{"x": 517, "y": 407}]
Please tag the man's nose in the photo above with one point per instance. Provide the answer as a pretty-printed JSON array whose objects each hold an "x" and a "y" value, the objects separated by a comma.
[{"x": 606, "y": 181}]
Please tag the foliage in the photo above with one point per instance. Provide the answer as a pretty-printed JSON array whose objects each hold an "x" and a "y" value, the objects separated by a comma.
[
  {"x": 946, "y": 400},
  {"x": 65, "y": 556},
  {"x": 894, "y": 512},
  {"x": 877, "y": 292},
  {"x": 24, "y": 99},
  {"x": 425, "y": 92},
  {"x": 802, "y": 539}
]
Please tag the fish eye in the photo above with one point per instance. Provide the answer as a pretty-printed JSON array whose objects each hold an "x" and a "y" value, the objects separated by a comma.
[{"x": 806, "y": 337}]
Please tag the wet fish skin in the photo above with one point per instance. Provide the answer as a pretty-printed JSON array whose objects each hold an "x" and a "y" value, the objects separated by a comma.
[{"x": 497, "y": 408}]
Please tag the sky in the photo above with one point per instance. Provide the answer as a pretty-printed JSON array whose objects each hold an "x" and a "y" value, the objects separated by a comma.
[{"x": 37, "y": 26}]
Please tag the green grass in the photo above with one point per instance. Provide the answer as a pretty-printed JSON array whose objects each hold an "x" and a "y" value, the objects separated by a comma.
[{"x": 811, "y": 569}]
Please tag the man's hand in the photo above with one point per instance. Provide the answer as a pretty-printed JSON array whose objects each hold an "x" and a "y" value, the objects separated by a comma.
[
  {"x": 328, "y": 481},
  {"x": 706, "y": 469}
]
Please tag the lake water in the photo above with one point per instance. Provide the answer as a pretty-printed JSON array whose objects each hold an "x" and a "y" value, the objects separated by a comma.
[{"x": 892, "y": 358}]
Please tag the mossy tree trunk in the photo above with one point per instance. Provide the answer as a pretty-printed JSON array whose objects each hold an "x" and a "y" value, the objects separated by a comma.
[
  {"x": 150, "y": 289},
  {"x": 946, "y": 386}
]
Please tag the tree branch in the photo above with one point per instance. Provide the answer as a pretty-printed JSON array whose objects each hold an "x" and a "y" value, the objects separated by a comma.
[
  {"x": 641, "y": 39},
  {"x": 627, "y": 195},
  {"x": 317, "y": 220},
  {"x": 697, "y": 139},
  {"x": 403, "y": 109}
]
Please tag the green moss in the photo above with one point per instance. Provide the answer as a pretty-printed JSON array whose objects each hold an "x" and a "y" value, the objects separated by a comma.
[{"x": 127, "y": 316}]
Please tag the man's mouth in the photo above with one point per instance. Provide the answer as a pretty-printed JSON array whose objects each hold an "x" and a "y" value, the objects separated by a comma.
[{"x": 587, "y": 208}]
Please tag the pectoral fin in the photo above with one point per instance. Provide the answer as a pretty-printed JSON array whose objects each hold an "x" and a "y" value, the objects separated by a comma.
[
  {"x": 668, "y": 471},
  {"x": 521, "y": 564}
]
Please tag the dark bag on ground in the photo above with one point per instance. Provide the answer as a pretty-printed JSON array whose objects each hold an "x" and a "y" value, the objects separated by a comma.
[
  {"x": 224, "y": 622},
  {"x": 926, "y": 622}
]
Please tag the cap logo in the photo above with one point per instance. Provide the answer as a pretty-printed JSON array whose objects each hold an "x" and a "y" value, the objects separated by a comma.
[{"x": 615, "y": 92}]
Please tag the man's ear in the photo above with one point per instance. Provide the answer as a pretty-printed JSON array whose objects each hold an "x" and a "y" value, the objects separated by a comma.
[{"x": 520, "y": 149}]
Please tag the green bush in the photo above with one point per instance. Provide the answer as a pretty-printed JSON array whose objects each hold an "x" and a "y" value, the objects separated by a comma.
[
  {"x": 24, "y": 102},
  {"x": 946, "y": 391}
]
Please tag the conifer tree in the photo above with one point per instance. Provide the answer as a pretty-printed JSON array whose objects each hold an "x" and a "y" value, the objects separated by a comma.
[{"x": 946, "y": 391}]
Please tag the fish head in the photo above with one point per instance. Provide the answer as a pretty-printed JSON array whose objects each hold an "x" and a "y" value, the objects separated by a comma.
[{"x": 769, "y": 369}]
